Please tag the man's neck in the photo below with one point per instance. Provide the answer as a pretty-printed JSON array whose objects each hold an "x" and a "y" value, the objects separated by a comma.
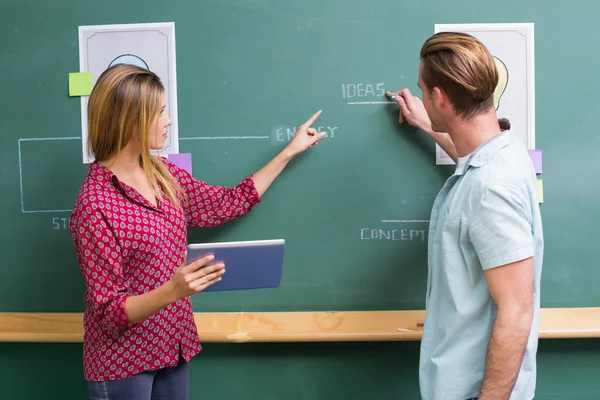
[{"x": 468, "y": 134}]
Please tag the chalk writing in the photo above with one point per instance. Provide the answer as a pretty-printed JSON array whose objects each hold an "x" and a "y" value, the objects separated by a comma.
[
  {"x": 60, "y": 223},
  {"x": 393, "y": 234},
  {"x": 353, "y": 90},
  {"x": 287, "y": 133}
]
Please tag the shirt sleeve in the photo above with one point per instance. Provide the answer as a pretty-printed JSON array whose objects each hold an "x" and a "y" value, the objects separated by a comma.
[
  {"x": 208, "y": 206},
  {"x": 100, "y": 260},
  {"x": 500, "y": 227}
]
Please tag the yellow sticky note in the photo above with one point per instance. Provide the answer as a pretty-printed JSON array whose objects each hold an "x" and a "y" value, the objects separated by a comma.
[
  {"x": 80, "y": 83},
  {"x": 540, "y": 186}
]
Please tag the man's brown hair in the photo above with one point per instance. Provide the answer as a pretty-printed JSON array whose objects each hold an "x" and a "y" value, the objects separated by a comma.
[{"x": 463, "y": 68}]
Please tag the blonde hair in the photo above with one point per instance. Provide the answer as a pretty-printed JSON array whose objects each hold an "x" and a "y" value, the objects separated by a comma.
[
  {"x": 124, "y": 106},
  {"x": 463, "y": 67}
]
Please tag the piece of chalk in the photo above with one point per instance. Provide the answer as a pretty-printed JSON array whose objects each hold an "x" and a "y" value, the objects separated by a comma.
[{"x": 405, "y": 330}]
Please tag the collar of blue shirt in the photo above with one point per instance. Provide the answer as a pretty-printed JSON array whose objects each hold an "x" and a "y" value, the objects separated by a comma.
[{"x": 484, "y": 153}]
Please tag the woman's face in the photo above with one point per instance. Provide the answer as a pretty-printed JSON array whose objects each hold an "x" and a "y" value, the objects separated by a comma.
[{"x": 158, "y": 135}]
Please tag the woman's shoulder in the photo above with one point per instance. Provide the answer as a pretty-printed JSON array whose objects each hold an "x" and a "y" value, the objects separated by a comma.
[
  {"x": 94, "y": 195},
  {"x": 91, "y": 198},
  {"x": 179, "y": 173}
]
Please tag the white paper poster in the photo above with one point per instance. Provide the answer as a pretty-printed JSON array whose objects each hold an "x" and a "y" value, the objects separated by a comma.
[
  {"x": 150, "y": 46},
  {"x": 512, "y": 47}
]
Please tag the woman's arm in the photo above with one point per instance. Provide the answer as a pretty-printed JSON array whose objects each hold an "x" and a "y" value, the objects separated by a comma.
[
  {"x": 207, "y": 205},
  {"x": 187, "y": 280},
  {"x": 304, "y": 138},
  {"x": 100, "y": 259},
  {"x": 113, "y": 303}
]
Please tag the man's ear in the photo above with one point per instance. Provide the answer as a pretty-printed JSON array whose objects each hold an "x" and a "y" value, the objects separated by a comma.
[{"x": 438, "y": 97}]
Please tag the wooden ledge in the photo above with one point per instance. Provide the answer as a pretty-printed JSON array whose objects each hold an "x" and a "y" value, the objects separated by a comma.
[{"x": 329, "y": 326}]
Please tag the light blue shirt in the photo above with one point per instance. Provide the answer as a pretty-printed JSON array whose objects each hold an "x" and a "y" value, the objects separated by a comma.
[{"x": 486, "y": 215}]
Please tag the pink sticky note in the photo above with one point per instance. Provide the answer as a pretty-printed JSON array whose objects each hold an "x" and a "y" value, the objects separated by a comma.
[
  {"x": 536, "y": 158},
  {"x": 182, "y": 160}
]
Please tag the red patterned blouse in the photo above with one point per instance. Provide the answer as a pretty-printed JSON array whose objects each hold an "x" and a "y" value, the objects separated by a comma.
[{"x": 126, "y": 247}]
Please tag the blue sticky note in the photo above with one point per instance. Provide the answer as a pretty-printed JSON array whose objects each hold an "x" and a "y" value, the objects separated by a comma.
[{"x": 182, "y": 160}]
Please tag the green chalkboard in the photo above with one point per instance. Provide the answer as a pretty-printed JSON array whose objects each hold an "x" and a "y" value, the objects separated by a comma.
[{"x": 259, "y": 68}]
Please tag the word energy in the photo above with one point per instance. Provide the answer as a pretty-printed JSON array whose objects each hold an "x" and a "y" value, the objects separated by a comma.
[{"x": 286, "y": 134}]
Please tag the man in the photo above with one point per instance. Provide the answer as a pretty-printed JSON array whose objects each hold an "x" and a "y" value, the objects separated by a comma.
[{"x": 485, "y": 237}]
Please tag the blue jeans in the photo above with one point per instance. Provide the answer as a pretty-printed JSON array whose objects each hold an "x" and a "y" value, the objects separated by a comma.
[{"x": 165, "y": 384}]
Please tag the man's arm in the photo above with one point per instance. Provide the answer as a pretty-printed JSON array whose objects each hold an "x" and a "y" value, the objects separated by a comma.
[
  {"x": 501, "y": 232},
  {"x": 511, "y": 286},
  {"x": 413, "y": 112}
]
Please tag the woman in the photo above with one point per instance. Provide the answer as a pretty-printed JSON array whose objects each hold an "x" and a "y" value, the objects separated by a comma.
[{"x": 129, "y": 229}]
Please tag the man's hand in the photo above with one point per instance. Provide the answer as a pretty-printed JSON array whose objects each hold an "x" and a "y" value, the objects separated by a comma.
[{"x": 412, "y": 110}]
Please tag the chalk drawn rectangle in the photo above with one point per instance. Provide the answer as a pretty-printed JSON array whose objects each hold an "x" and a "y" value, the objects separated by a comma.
[
  {"x": 148, "y": 45},
  {"x": 512, "y": 44},
  {"x": 49, "y": 181}
]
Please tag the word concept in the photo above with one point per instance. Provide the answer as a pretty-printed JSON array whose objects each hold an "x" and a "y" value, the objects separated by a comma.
[{"x": 393, "y": 234}]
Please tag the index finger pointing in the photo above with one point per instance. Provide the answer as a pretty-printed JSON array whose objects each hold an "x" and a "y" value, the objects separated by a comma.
[{"x": 312, "y": 119}]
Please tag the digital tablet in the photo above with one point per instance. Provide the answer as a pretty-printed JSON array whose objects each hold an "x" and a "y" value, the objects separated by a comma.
[{"x": 254, "y": 264}]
